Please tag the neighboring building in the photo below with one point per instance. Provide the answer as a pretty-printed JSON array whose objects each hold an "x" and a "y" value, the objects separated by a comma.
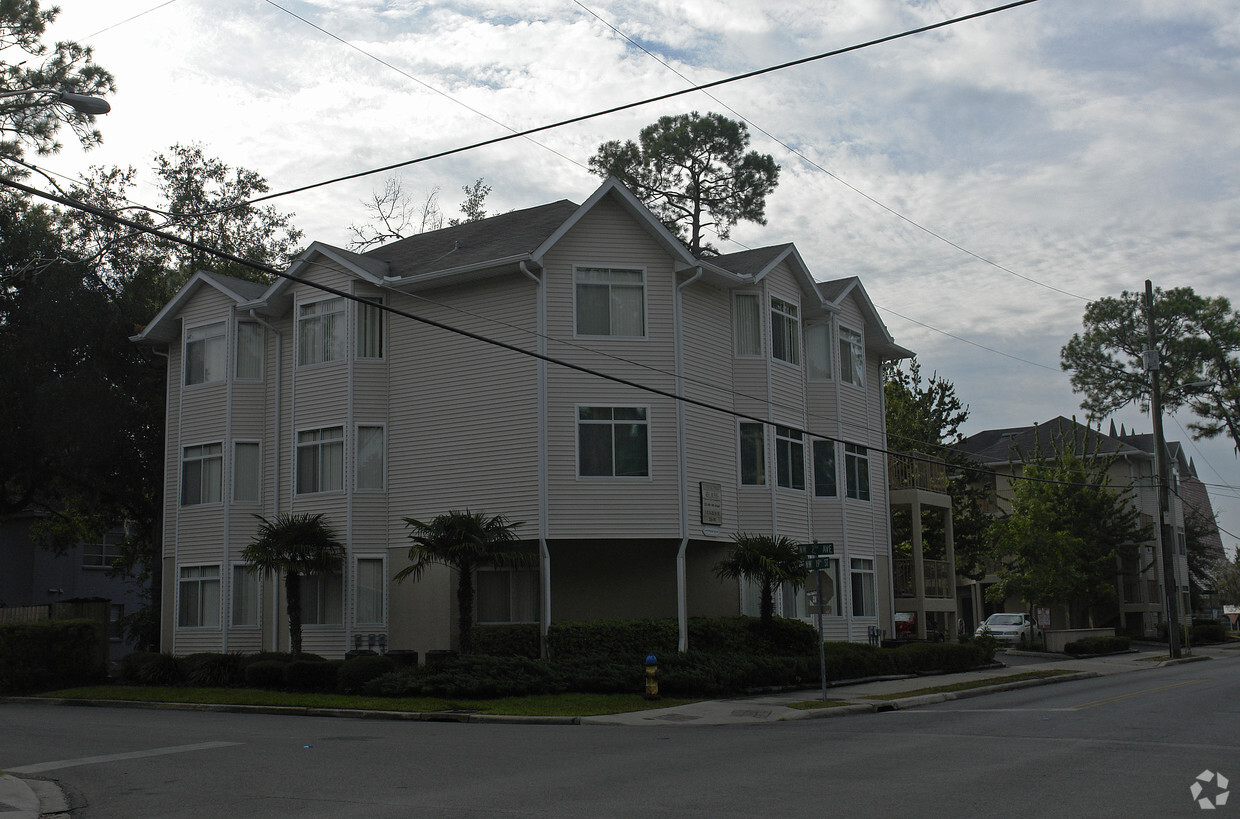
[
  {"x": 1139, "y": 605},
  {"x": 31, "y": 575},
  {"x": 290, "y": 399}
]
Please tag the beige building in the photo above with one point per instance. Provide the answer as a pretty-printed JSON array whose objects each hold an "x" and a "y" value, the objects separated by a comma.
[{"x": 590, "y": 322}]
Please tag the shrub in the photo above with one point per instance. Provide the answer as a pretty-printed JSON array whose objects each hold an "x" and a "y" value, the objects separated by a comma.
[
  {"x": 623, "y": 640},
  {"x": 356, "y": 672},
  {"x": 913, "y": 658},
  {"x": 310, "y": 675},
  {"x": 1209, "y": 632},
  {"x": 152, "y": 668},
  {"x": 1098, "y": 645},
  {"x": 49, "y": 654},
  {"x": 848, "y": 661},
  {"x": 214, "y": 670},
  {"x": 265, "y": 674},
  {"x": 518, "y": 640},
  {"x": 471, "y": 677}
]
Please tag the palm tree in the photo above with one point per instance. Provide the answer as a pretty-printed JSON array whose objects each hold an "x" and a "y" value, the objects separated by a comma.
[
  {"x": 464, "y": 541},
  {"x": 296, "y": 545},
  {"x": 767, "y": 561}
]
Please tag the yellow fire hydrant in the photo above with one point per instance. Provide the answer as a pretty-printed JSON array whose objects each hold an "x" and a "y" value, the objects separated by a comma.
[{"x": 652, "y": 677}]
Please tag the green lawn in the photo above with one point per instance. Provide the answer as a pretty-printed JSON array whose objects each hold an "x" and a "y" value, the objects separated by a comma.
[
  {"x": 809, "y": 705},
  {"x": 970, "y": 684},
  {"x": 560, "y": 705}
]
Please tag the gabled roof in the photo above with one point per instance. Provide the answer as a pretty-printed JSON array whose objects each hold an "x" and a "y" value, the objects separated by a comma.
[
  {"x": 755, "y": 265},
  {"x": 877, "y": 336},
  {"x": 1001, "y": 446},
  {"x": 165, "y": 327}
]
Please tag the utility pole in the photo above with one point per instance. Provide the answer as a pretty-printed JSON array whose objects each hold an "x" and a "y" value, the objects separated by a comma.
[{"x": 1171, "y": 592}]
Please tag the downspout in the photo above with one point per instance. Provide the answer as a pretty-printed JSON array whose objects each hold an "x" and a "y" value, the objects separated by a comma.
[
  {"x": 844, "y": 579},
  {"x": 226, "y": 479},
  {"x": 891, "y": 558},
  {"x": 544, "y": 551},
  {"x": 682, "y": 602},
  {"x": 275, "y": 582},
  {"x": 162, "y": 523}
]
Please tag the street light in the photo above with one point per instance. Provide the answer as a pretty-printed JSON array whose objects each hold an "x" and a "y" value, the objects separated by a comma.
[{"x": 81, "y": 103}]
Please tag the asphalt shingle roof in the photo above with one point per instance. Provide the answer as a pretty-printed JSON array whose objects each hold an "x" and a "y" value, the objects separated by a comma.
[
  {"x": 1005, "y": 445},
  {"x": 748, "y": 262}
]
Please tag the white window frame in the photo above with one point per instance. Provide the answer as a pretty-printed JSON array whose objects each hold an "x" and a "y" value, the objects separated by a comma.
[
  {"x": 740, "y": 454},
  {"x": 578, "y": 422},
  {"x": 819, "y": 353},
  {"x": 323, "y": 588},
  {"x": 317, "y": 444},
  {"x": 218, "y": 338},
  {"x": 256, "y": 579},
  {"x": 374, "y": 310},
  {"x": 104, "y": 552},
  {"x": 821, "y": 443},
  {"x": 201, "y": 459},
  {"x": 786, "y": 324},
  {"x": 357, "y": 457},
  {"x": 199, "y": 581},
  {"x": 579, "y": 268},
  {"x": 512, "y": 592},
  {"x": 854, "y": 455},
  {"x": 260, "y": 340},
  {"x": 258, "y": 472},
  {"x": 852, "y": 357},
  {"x": 340, "y": 326},
  {"x": 382, "y": 591},
  {"x": 739, "y": 333},
  {"x": 789, "y": 445},
  {"x": 858, "y": 571}
]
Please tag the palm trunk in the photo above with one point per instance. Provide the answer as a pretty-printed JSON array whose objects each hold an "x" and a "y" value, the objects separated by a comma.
[
  {"x": 465, "y": 608},
  {"x": 766, "y": 606},
  {"x": 292, "y": 593}
]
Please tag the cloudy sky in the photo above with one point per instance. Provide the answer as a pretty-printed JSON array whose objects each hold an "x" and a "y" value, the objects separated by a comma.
[{"x": 1047, "y": 155}]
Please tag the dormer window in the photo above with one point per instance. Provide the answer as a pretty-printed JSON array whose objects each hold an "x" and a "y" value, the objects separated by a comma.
[
  {"x": 852, "y": 357},
  {"x": 785, "y": 332},
  {"x": 320, "y": 331},
  {"x": 610, "y": 302}
]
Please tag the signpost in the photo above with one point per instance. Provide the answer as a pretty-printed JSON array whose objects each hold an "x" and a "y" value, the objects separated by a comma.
[{"x": 817, "y": 560}]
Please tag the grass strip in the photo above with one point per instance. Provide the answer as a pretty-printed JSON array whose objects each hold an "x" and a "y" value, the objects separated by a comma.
[
  {"x": 970, "y": 684},
  {"x": 559, "y": 705},
  {"x": 809, "y": 705}
]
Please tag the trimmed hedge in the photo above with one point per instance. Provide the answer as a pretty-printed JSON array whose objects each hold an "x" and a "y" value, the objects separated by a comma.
[
  {"x": 517, "y": 640},
  {"x": 310, "y": 675},
  {"x": 49, "y": 654},
  {"x": 214, "y": 670},
  {"x": 1209, "y": 633},
  {"x": 1098, "y": 645},
  {"x": 356, "y": 672},
  {"x": 265, "y": 674}
]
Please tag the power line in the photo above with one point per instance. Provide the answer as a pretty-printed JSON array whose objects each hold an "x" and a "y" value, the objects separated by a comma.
[
  {"x": 846, "y": 184},
  {"x": 631, "y": 105},
  {"x": 129, "y": 19},
  {"x": 967, "y": 341}
]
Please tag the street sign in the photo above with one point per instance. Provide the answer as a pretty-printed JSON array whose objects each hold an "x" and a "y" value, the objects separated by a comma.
[
  {"x": 818, "y": 549},
  {"x": 817, "y": 564}
]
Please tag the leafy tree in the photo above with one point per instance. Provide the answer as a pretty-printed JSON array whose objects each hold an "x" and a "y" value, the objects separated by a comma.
[
  {"x": 925, "y": 416},
  {"x": 297, "y": 545},
  {"x": 33, "y": 120},
  {"x": 1204, "y": 551},
  {"x": 693, "y": 172},
  {"x": 473, "y": 208},
  {"x": 768, "y": 561},
  {"x": 1197, "y": 338},
  {"x": 1060, "y": 541},
  {"x": 1227, "y": 580},
  {"x": 464, "y": 541}
]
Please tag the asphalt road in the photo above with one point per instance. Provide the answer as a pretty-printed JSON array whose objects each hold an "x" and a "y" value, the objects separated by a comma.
[{"x": 1126, "y": 745}]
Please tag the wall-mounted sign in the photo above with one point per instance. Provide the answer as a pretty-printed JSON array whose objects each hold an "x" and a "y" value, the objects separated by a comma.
[{"x": 712, "y": 503}]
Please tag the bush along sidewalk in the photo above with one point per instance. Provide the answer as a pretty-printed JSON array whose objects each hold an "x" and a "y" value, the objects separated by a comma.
[
  {"x": 730, "y": 655},
  {"x": 1098, "y": 645}
]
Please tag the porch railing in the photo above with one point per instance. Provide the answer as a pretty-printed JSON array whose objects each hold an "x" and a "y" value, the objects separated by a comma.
[
  {"x": 917, "y": 473},
  {"x": 939, "y": 580}
]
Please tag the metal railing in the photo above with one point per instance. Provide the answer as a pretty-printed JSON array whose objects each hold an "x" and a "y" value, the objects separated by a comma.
[{"x": 939, "y": 580}]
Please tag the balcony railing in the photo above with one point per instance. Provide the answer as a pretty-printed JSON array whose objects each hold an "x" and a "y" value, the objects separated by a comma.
[
  {"x": 908, "y": 473},
  {"x": 939, "y": 580}
]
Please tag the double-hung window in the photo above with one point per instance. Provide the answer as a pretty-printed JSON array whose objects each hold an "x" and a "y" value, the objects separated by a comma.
[
  {"x": 320, "y": 331},
  {"x": 864, "y": 599},
  {"x": 789, "y": 458},
  {"x": 320, "y": 460},
  {"x": 753, "y": 454},
  {"x": 102, "y": 553},
  {"x": 507, "y": 596},
  {"x": 785, "y": 331},
  {"x": 249, "y": 351},
  {"x": 857, "y": 471},
  {"x": 370, "y": 457},
  {"x": 322, "y": 598},
  {"x": 610, "y": 302},
  {"x": 852, "y": 357},
  {"x": 368, "y": 591},
  {"x": 202, "y": 474},
  {"x": 824, "y": 469},
  {"x": 370, "y": 318},
  {"x": 199, "y": 593},
  {"x": 818, "y": 351},
  {"x": 206, "y": 351},
  {"x": 246, "y": 466},
  {"x": 613, "y": 442},
  {"x": 244, "y": 596},
  {"x": 747, "y": 323}
]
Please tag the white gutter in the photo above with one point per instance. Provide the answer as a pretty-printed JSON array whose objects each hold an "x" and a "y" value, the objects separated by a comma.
[
  {"x": 398, "y": 282},
  {"x": 544, "y": 551},
  {"x": 682, "y": 455},
  {"x": 275, "y": 580}
]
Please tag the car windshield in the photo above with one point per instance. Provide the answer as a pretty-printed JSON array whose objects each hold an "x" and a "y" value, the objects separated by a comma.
[{"x": 1004, "y": 620}]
